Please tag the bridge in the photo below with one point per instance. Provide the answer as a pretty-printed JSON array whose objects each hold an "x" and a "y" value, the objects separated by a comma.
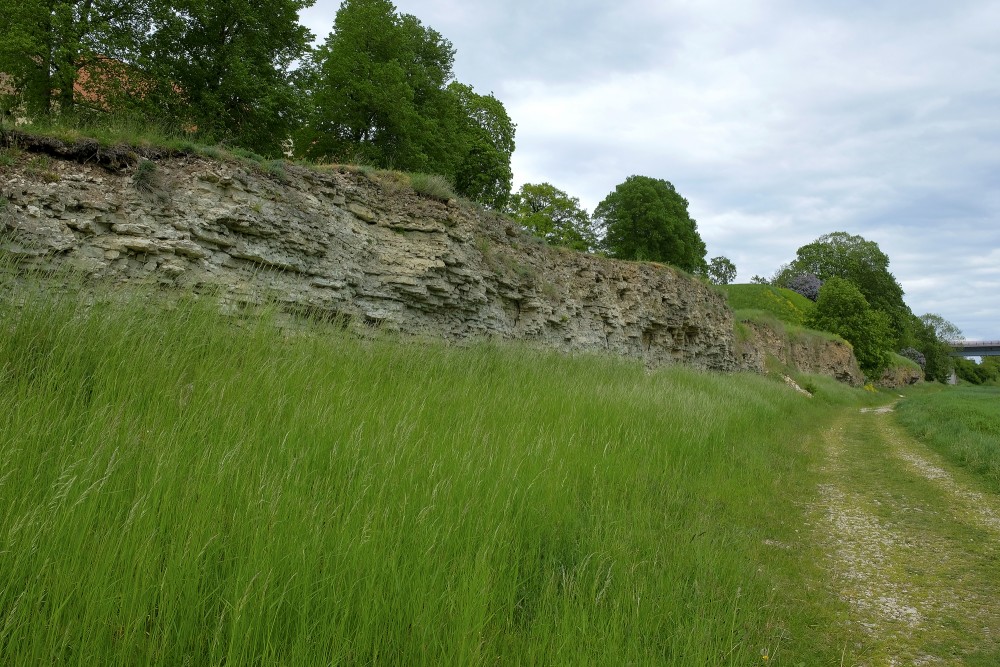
[{"x": 975, "y": 348}]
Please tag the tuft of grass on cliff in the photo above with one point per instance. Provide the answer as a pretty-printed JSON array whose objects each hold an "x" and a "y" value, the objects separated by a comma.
[
  {"x": 782, "y": 303},
  {"x": 180, "y": 487}
]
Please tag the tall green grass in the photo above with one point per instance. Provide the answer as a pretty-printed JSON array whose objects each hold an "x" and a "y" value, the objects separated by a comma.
[
  {"x": 182, "y": 488},
  {"x": 963, "y": 423}
]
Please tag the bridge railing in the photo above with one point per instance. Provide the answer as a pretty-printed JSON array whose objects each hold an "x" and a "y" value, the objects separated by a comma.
[{"x": 975, "y": 348}]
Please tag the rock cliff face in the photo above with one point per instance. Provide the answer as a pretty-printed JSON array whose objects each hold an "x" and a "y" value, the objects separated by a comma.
[
  {"x": 806, "y": 352},
  {"x": 341, "y": 244}
]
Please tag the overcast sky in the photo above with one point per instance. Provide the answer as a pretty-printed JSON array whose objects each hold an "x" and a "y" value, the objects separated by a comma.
[{"x": 778, "y": 121}]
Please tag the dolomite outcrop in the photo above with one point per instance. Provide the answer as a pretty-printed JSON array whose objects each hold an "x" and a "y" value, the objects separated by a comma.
[
  {"x": 806, "y": 352},
  {"x": 363, "y": 249}
]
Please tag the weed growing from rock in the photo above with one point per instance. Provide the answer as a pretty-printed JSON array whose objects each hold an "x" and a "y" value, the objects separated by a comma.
[
  {"x": 146, "y": 178},
  {"x": 276, "y": 169}
]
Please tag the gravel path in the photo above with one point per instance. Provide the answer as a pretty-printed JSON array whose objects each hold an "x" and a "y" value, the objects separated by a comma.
[{"x": 913, "y": 548}]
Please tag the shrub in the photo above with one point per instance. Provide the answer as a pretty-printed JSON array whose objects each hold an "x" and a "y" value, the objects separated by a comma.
[
  {"x": 276, "y": 169},
  {"x": 914, "y": 354},
  {"x": 806, "y": 284},
  {"x": 8, "y": 157},
  {"x": 6, "y": 212}
]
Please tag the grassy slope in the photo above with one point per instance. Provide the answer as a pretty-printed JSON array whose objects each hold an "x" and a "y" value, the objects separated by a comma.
[
  {"x": 178, "y": 488},
  {"x": 962, "y": 423},
  {"x": 786, "y": 305}
]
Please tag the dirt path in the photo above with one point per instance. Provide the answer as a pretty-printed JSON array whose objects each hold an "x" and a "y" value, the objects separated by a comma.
[{"x": 913, "y": 548}]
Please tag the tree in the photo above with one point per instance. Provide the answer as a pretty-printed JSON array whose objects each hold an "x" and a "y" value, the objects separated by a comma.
[
  {"x": 721, "y": 270},
  {"x": 841, "y": 255},
  {"x": 646, "y": 219},
  {"x": 990, "y": 368},
  {"x": 842, "y": 309},
  {"x": 944, "y": 330},
  {"x": 224, "y": 66},
  {"x": 383, "y": 93},
  {"x": 380, "y": 93},
  {"x": 551, "y": 214},
  {"x": 974, "y": 373},
  {"x": 47, "y": 45},
  {"x": 931, "y": 334},
  {"x": 484, "y": 173}
]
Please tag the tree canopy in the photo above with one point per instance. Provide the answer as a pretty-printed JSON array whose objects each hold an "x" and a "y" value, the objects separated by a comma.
[
  {"x": 551, "y": 214},
  {"x": 46, "y": 45},
  {"x": 721, "y": 270},
  {"x": 842, "y": 309},
  {"x": 484, "y": 172},
  {"x": 931, "y": 334},
  {"x": 220, "y": 67},
  {"x": 223, "y": 67},
  {"x": 378, "y": 94},
  {"x": 862, "y": 262},
  {"x": 383, "y": 93},
  {"x": 380, "y": 91},
  {"x": 647, "y": 219}
]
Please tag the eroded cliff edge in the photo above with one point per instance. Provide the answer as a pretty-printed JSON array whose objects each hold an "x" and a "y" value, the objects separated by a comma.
[{"x": 340, "y": 243}]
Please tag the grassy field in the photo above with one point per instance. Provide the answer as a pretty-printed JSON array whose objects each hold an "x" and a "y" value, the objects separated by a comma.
[
  {"x": 962, "y": 423},
  {"x": 183, "y": 488}
]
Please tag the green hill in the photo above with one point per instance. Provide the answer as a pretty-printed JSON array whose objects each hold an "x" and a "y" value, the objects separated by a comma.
[{"x": 786, "y": 305}]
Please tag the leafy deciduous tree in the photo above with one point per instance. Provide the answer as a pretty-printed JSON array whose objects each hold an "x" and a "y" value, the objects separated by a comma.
[
  {"x": 721, "y": 270},
  {"x": 224, "y": 66},
  {"x": 932, "y": 333},
  {"x": 383, "y": 92},
  {"x": 379, "y": 95},
  {"x": 484, "y": 173},
  {"x": 646, "y": 219},
  {"x": 860, "y": 261},
  {"x": 47, "y": 45},
  {"x": 551, "y": 214},
  {"x": 842, "y": 309},
  {"x": 981, "y": 373},
  {"x": 944, "y": 330}
]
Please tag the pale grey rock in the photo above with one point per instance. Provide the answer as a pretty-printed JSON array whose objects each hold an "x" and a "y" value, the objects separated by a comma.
[{"x": 338, "y": 245}]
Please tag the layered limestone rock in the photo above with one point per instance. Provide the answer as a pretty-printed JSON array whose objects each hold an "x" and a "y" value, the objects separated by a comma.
[
  {"x": 803, "y": 350},
  {"x": 363, "y": 249}
]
